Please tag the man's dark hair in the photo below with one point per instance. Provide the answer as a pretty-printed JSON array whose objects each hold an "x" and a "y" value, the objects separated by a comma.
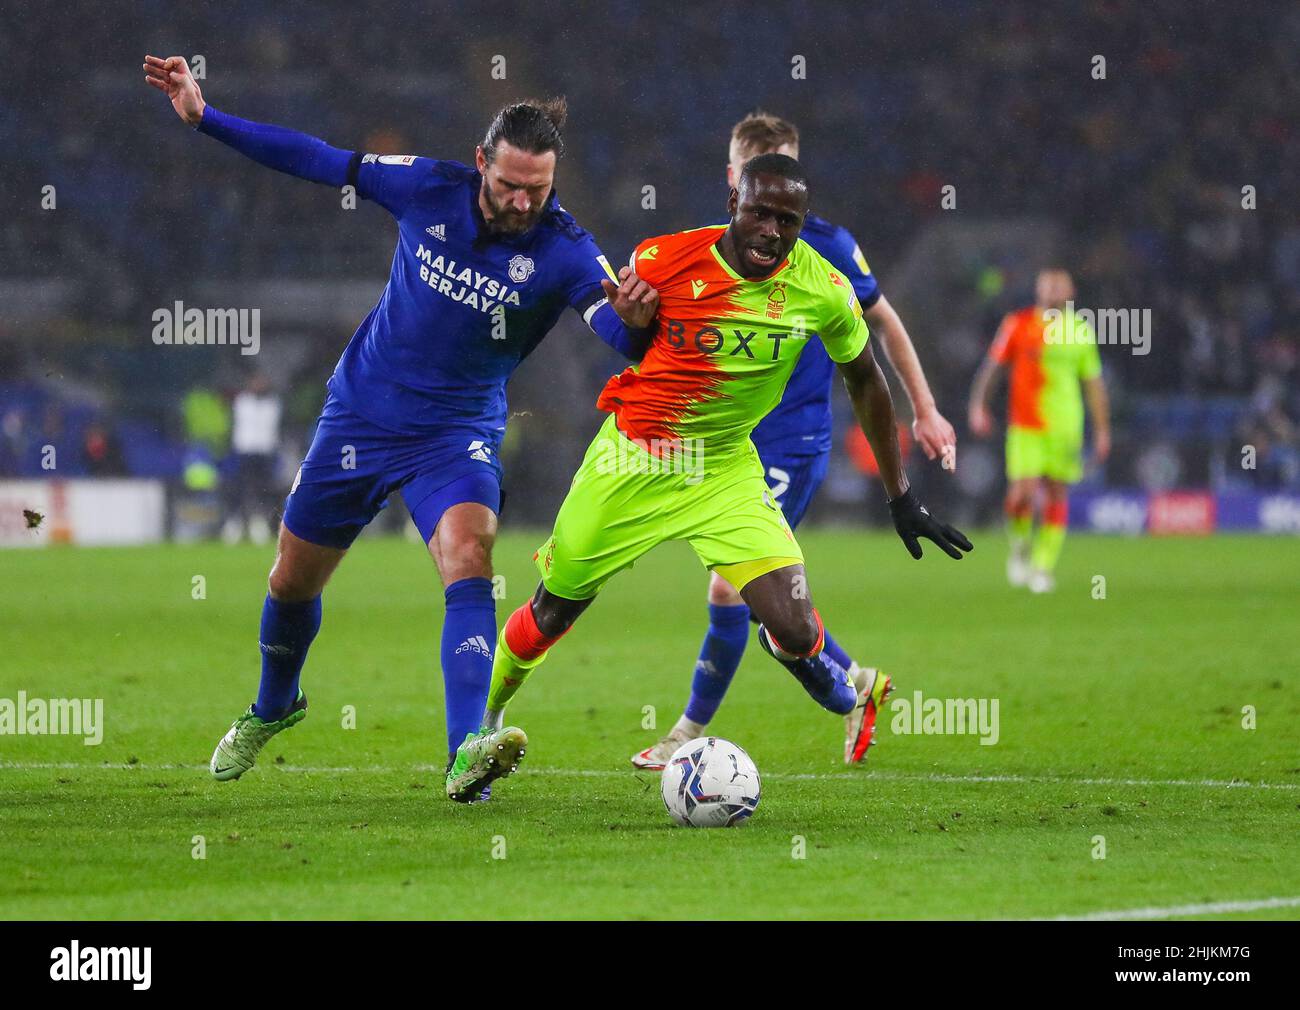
[
  {"x": 533, "y": 126},
  {"x": 781, "y": 165}
]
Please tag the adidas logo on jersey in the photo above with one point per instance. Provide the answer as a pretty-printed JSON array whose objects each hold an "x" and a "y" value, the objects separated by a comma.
[
  {"x": 476, "y": 644},
  {"x": 438, "y": 231},
  {"x": 480, "y": 451}
]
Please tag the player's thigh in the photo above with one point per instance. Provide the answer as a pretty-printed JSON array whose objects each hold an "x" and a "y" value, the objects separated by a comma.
[
  {"x": 722, "y": 593},
  {"x": 1026, "y": 453},
  {"x": 1063, "y": 454},
  {"x": 780, "y": 600},
  {"x": 301, "y": 567},
  {"x": 735, "y": 526},
  {"x": 342, "y": 483},
  {"x": 613, "y": 514}
]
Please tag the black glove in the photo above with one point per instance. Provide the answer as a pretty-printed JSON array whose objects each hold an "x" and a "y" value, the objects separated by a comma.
[{"x": 912, "y": 520}]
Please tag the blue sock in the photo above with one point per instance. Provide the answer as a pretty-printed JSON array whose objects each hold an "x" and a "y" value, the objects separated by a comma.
[
  {"x": 469, "y": 634},
  {"x": 287, "y": 633},
  {"x": 720, "y": 655},
  {"x": 826, "y": 681},
  {"x": 836, "y": 651}
]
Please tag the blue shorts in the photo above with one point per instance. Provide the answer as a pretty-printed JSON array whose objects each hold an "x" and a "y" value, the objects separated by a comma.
[
  {"x": 794, "y": 481},
  {"x": 353, "y": 466}
]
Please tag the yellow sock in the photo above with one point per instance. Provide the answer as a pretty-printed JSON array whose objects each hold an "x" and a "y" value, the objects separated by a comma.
[
  {"x": 1047, "y": 546},
  {"x": 508, "y": 675}
]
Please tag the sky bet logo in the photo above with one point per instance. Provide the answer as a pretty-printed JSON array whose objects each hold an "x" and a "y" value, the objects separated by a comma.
[
  {"x": 75, "y": 963},
  {"x": 711, "y": 340}
]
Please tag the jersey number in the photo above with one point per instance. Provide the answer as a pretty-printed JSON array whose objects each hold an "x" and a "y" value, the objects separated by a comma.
[{"x": 780, "y": 482}]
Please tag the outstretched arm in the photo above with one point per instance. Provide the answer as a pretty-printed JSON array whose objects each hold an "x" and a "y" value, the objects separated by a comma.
[
  {"x": 874, "y": 409},
  {"x": 284, "y": 150},
  {"x": 980, "y": 420},
  {"x": 933, "y": 432}
]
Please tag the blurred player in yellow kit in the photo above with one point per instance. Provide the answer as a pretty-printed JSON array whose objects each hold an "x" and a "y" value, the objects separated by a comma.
[{"x": 1051, "y": 353}]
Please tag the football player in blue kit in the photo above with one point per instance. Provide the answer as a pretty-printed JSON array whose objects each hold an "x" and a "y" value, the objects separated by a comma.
[
  {"x": 486, "y": 262},
  {"x": 794, "y": 443}
]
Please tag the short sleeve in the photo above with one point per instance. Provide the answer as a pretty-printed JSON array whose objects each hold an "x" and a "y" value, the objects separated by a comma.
[
  {"x": 645, "y": 259},
  {"x": 843, "y": 330},
  {"x": 391, "y": 179}
]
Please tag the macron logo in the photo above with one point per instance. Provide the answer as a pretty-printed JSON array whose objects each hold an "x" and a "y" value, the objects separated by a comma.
[
  {"x": 102, "y": 964},
  {"x": 480, "y": 451},
  {"x": 438, "y": 231},
  {"x": 476, "y": 644}
]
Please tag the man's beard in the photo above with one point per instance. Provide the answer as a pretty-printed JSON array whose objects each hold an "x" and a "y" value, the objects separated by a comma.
[{"x": 510, "y": 222}]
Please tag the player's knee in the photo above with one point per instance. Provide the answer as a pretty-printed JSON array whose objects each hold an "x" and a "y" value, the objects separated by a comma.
[
  {"x": 721, "y": 592},
  {"x": 290, "y": 586},
  {"x": 796, "y": 633},
  {"x": 465, "y": 557}
]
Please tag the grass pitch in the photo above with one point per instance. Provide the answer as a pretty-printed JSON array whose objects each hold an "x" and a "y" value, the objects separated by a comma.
[{"x": 1120, "y": 719}]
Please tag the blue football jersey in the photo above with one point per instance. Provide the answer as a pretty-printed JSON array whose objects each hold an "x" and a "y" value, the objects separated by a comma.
[
  {"x": 801, "y": 423},
  {"x": 463, "y": 306}
]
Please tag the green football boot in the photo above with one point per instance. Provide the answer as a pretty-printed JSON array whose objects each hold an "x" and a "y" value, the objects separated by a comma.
[
  {"x": 484, "y": 757},
  {"x": 237, "y": 752}
]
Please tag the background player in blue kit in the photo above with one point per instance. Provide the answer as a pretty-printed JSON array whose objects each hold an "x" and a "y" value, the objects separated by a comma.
[
  {"x": 486, "y": 262},
  {"x": 794, "y": 443}
]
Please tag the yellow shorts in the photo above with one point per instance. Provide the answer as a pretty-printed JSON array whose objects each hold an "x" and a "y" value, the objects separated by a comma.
[{"x": 625, "y": 501}]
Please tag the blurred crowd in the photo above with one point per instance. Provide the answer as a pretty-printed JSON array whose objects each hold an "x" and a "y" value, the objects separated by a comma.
[{"x": 1169, "y": 171}]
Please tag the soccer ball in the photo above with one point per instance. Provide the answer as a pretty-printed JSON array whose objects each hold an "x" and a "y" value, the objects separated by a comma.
[{"x": 709, "y": 783}]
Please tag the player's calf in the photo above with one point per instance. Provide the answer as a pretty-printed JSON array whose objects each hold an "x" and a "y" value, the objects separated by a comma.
[{"x": 780, "y": 601}]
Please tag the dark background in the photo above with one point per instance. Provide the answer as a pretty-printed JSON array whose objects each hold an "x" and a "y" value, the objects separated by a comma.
[{"x": 1134, "y": 182}]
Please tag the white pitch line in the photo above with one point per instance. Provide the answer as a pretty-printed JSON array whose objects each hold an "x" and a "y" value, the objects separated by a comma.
[
  {"x": 612, "y": 773},
  {"x": 1209, "y": 908}
]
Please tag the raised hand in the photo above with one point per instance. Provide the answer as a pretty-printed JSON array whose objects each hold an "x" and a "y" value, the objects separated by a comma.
[
  {"x": 172, "y": 77},
  {"x": 635, "y": 301},
  {"x": 913, "y": 520}
]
